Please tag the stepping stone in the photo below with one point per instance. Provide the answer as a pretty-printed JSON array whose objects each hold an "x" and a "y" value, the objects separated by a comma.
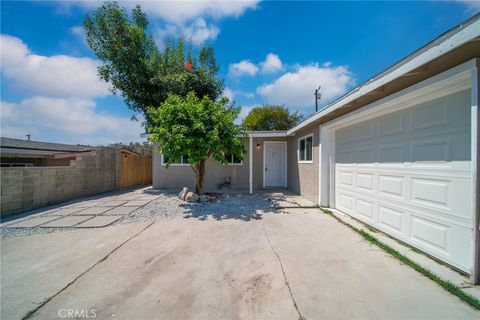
[
  {"x": 114, "y": 203},
  {"x": 136, "y": 203},
  {"x": 147, "y": 198},
  {"x": 93, "y": 211},
  {"x": 65, "y": 222},
  {"x": 128, "y": 197},
  {"x": 98, "y": 222},
  {"x": 120, "y": 211},
  {"x": 87, "y": 204},
  {"x": 63, "y": 211},
  {"x": 33, "y": 222}
]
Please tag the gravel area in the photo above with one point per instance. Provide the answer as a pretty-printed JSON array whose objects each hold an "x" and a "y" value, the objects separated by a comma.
[
  {"x": 226, "y": 206},
  {"x": 238, "y": 206},
  {"x": 20, "y": 232}
]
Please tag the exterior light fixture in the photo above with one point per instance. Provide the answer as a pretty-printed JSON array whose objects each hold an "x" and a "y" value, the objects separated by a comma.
[{"x": 258, "y": 146}]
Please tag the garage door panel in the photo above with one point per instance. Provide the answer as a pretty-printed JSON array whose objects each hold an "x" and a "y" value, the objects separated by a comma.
[
  {"x": 443, "y": 196},
  {"x": 365, "y": 209},
  {"x": 408, "y": 174},
  {"x": 431, "y": 234},
  {"x": 391, "y": 185},
  {"x": 391, "y": 219},
  {"x": 391, "y": 125}
]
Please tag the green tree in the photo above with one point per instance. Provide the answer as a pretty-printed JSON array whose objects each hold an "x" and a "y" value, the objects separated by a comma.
[
  {"x": 271, "y": 117},
  {"x": 197, "y": 129},
  {"x": 136, "y": 69}
]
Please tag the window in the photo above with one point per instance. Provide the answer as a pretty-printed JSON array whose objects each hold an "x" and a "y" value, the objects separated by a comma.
[
  {"x": 305, "y": 147},
  {"x": 233, "y": 159},
  {"x": 183, "y": 160}
]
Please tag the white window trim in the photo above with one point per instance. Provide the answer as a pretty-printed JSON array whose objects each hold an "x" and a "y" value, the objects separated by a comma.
[
  {"x": 298, "y": 148},
  {"x": 174, "y": 164}
]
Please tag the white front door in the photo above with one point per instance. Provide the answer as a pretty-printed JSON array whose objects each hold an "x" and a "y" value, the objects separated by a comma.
[{"x": 274, "y": 159}]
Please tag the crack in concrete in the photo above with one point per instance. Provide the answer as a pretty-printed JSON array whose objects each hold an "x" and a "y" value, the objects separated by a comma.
[
  {"x": 30, "y": 313},
  {"x": 300, "y": 317}
]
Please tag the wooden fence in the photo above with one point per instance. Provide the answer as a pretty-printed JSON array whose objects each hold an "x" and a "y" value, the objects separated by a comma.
[{"x": 135, "y": 169}]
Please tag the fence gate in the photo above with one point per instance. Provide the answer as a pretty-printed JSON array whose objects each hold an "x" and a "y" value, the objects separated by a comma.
[{"x": 135, "y": 169}]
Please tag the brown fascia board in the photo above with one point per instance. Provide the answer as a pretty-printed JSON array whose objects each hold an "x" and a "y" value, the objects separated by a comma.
[{"x": 451, "y": 59}]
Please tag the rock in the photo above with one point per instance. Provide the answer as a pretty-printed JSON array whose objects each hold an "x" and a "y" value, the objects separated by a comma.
[
  {"x": 183, "y": 194},
  {"x": 204, "y": 198},
  {"x": 192, "y": 197}
]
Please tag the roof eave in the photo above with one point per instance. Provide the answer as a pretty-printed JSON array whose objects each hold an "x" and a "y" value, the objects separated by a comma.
[{"x": 461, "y": 34}]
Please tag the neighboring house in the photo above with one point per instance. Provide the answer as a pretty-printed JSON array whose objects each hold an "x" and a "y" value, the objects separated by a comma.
[
  {"x": 26, "y": 153},
  {"x": 395, "y": 152}
]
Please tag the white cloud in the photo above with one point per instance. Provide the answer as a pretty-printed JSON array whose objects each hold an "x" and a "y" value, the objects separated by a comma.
[
  {"x": 72, "y": 120},
  {"x": 227, "y": 92},
  {"x": 79, "y": 32},
  {"x": 198, "y": 31},
  {"x": 271, "y": 64},
  {"x": 179, "y": 11},
  {"x": 296, "y": 89},
  {"x": 182, "y": 17},
  {"x": 472, "y": 5},
  {"x": 231, "y": 94},
  {"x": 244, "y": 67},
  {"x": 57, "y": 76}
]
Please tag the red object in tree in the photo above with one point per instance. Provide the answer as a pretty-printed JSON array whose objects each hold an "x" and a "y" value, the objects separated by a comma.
[{"x": 188, "y": 65}]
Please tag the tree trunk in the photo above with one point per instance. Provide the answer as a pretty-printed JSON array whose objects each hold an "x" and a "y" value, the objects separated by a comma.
[{"x": 200, "y": 175}]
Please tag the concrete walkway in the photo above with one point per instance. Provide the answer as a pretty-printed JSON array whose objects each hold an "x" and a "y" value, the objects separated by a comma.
[
  {"x": 300, "y": 263},
  {"x": 96, "y": 211}
]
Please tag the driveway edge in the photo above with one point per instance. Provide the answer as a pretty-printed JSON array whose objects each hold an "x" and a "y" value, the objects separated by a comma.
[
  {"x": 453, "y": 288},
  {"x": 30, "y": 313}
]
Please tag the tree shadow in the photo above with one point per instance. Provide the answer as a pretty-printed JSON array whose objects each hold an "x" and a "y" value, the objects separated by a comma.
[{"x": 244, "y": 207}]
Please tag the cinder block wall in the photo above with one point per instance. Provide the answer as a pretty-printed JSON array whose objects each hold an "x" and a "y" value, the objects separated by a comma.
[{"x": 33, "y": 187}]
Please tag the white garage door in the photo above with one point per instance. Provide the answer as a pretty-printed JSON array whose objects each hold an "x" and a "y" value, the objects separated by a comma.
[{"x": 408, "y": 174}]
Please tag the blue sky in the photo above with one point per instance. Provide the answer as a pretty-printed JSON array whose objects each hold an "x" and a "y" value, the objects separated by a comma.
[{"x": 268, "y": 52}]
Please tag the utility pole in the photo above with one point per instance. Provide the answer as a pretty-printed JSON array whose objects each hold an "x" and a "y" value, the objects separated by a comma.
[
  {"x": 28, "y": 136},
  {"x": 318, "y": 96}
]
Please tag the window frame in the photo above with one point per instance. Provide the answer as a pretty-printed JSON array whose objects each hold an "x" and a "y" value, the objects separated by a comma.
[
  {"x": 175, "y": 164},
  {"x": 231, "y": 163},
  {"x": 305, "y": 137}
]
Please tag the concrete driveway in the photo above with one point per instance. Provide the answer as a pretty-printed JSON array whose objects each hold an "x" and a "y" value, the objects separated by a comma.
[{"x": 301, "y": 263}]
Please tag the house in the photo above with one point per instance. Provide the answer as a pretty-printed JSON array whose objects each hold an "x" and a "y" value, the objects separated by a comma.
[
  {"x": 399, "y": 152},
  {"x": 27, "y": 153}
]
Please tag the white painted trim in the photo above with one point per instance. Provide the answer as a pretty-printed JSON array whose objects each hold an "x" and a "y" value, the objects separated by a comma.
[
  {"x": 173, "y": 164},
  {"x": 298, "y": 150},
  {"x": 267, "y": 134},
  {"x": 234, "y": 164},
  {"x": 250, "y": 164},
  {"x": 475, "y": 272},
  {"x": 440, "y": 46},
  {"x": 326, "y": 147},
  {"x": 285, "y": 184}
]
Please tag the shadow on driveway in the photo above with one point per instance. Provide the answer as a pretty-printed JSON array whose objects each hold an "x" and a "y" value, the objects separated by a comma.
[{"x": 242, "y": 207}]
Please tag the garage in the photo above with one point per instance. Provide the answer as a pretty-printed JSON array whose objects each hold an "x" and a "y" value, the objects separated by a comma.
[{"x": 407, "y": 172}]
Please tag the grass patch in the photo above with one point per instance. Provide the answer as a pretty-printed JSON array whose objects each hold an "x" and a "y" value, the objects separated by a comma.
[{"x": 447, "y": 285}]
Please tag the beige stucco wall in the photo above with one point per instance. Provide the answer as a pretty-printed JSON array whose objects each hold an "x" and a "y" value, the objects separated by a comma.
[
  {"x": 176, "y": 177},
  {"x": 303, "y": 177}
]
